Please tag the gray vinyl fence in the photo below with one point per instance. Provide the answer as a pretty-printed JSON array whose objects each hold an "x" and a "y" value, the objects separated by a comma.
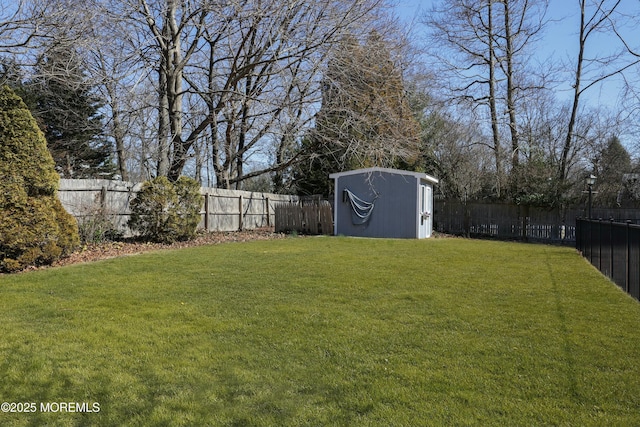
[{"x": 222, "y": 210}]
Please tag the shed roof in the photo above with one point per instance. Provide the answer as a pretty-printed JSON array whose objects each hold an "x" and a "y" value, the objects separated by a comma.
[{"x": 384, "y": 170}]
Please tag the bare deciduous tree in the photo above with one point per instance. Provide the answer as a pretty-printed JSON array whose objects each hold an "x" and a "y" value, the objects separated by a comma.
[
  {"x": 18, "y": 24},
  {"x": 521, "y": 25},
  {"x": 486, "y": 46},
  {"x": 597, "y": 17},
  {"x": 463, "y": 32},
  {"x": 239, "y": 76}
]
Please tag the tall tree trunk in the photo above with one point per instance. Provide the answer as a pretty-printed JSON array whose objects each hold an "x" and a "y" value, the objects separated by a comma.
[
  {"x": 118, "y": 131},
  {"x": 174, "y": 93},
  {"x": 163, "y": 111},
  {"x": 243, "y": 131},
  {"x": 566, "y": 149},
  {"x": 492, "y": 98},
  {"x": 511, "y": 107},
  {"x": 118, "y": 135}
]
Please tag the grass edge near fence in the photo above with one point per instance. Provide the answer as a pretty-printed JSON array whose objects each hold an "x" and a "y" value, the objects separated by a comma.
[{"x": 615, "y": 253}]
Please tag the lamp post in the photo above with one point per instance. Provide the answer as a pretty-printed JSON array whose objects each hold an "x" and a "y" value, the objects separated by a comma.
[{"x": 591, "y": 179}]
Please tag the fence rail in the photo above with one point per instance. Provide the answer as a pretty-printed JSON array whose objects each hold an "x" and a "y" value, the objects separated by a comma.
[{"x": 614, "y": 249}]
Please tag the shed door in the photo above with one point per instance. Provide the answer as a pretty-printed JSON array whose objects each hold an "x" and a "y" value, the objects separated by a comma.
[{"x": 425, "y": 217}]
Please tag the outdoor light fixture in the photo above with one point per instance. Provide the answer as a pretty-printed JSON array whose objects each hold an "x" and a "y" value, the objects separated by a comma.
[{"x": 591, "y": 179}]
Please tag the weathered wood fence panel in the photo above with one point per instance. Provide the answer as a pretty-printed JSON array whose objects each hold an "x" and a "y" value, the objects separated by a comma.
[
  {"x": 89, "y": 198},
  {"x": 222, "y": 210},
  {"x": 230, "y": 210},
  {"x": 313, "y": 218}
]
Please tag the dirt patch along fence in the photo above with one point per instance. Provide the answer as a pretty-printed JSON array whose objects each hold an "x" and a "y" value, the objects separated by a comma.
[
  {"x": 222, "y": 210},
  {"x": 305, "y": 218}
]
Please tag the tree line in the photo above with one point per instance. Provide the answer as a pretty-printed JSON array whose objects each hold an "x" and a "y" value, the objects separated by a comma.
[{"x": 275, "y": 95}]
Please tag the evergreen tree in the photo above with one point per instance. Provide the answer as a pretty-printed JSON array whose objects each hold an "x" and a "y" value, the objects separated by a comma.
[
  {"x": 311, "y": 176},
  {"x": 611, "y": 166},
  {"x": 34, "y": 227},
  {"x": 364, "y": 119},
  {"x": 68, "y": 112}
]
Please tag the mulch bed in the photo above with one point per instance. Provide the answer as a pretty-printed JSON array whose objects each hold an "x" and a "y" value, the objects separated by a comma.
[{"x": 98, "y": 251}]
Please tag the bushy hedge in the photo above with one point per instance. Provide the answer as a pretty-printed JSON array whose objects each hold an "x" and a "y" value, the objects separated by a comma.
[
  {"x": 166, "y": 212},
  {"x": 35, "y": 229}
]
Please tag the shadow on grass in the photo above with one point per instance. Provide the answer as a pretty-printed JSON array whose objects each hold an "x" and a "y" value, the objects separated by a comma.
[{"x": 563, "y": 327}]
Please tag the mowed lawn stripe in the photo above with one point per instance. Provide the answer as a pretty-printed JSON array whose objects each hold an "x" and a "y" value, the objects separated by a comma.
[{"x": 324, "y": 331}]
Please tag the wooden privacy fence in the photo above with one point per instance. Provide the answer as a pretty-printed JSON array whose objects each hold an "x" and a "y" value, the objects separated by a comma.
[
  {"x": 614, "y": 249},
  {"x": 230, "y": 210},
  {"x": 306, "y": 218},
  {"x": 222, "y": 210}
]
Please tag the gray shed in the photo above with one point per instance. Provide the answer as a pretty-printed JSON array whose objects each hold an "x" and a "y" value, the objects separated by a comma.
[{"x": 380, "y": 202}]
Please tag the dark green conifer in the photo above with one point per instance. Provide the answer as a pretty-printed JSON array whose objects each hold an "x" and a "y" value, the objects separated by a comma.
[
  {"x": 35, "y": 229},
  {"x": 64, "y": 103},
  {"x": 364, "y": 119}
]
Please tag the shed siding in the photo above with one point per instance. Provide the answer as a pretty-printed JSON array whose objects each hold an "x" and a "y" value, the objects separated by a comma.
[{"x": 395, "y": 210}]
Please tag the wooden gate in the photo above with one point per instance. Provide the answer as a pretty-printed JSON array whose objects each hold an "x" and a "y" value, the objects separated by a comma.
[{"x": 305, "y": 218}]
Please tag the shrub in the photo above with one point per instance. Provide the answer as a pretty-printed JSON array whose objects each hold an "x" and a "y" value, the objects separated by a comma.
[
  {"x": 189, "y": 206},
  {"x": 97, "y": 225},
  {"x": 34, "y": 227},
  {"x": 98, "y": 228},
  {"x": 166, "y": 212}
]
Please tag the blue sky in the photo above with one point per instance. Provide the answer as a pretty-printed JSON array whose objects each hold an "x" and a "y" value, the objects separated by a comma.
[{"x": 559, "y": 41}]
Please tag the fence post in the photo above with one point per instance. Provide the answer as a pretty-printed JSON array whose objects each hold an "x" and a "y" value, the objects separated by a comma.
[
  {"x": 628, "y": 259},
  {"x": 206, "y": 211},
  {"x": 591, "y": 248},
  {"x": 611, "y": 246},
  {"x": 268, "y": 214},
  {"x": 240, "y": 225},
  {"x": 466, "y": 224},
  {"x": 103, "y": 198},
  {"x": 600, "y": 244},
  {"x": 579, "y": 229},
  {"x": 525, "y": 223}
]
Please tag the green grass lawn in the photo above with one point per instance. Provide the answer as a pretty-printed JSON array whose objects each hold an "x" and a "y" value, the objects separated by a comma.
[{"x": 322, "y": 332}]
